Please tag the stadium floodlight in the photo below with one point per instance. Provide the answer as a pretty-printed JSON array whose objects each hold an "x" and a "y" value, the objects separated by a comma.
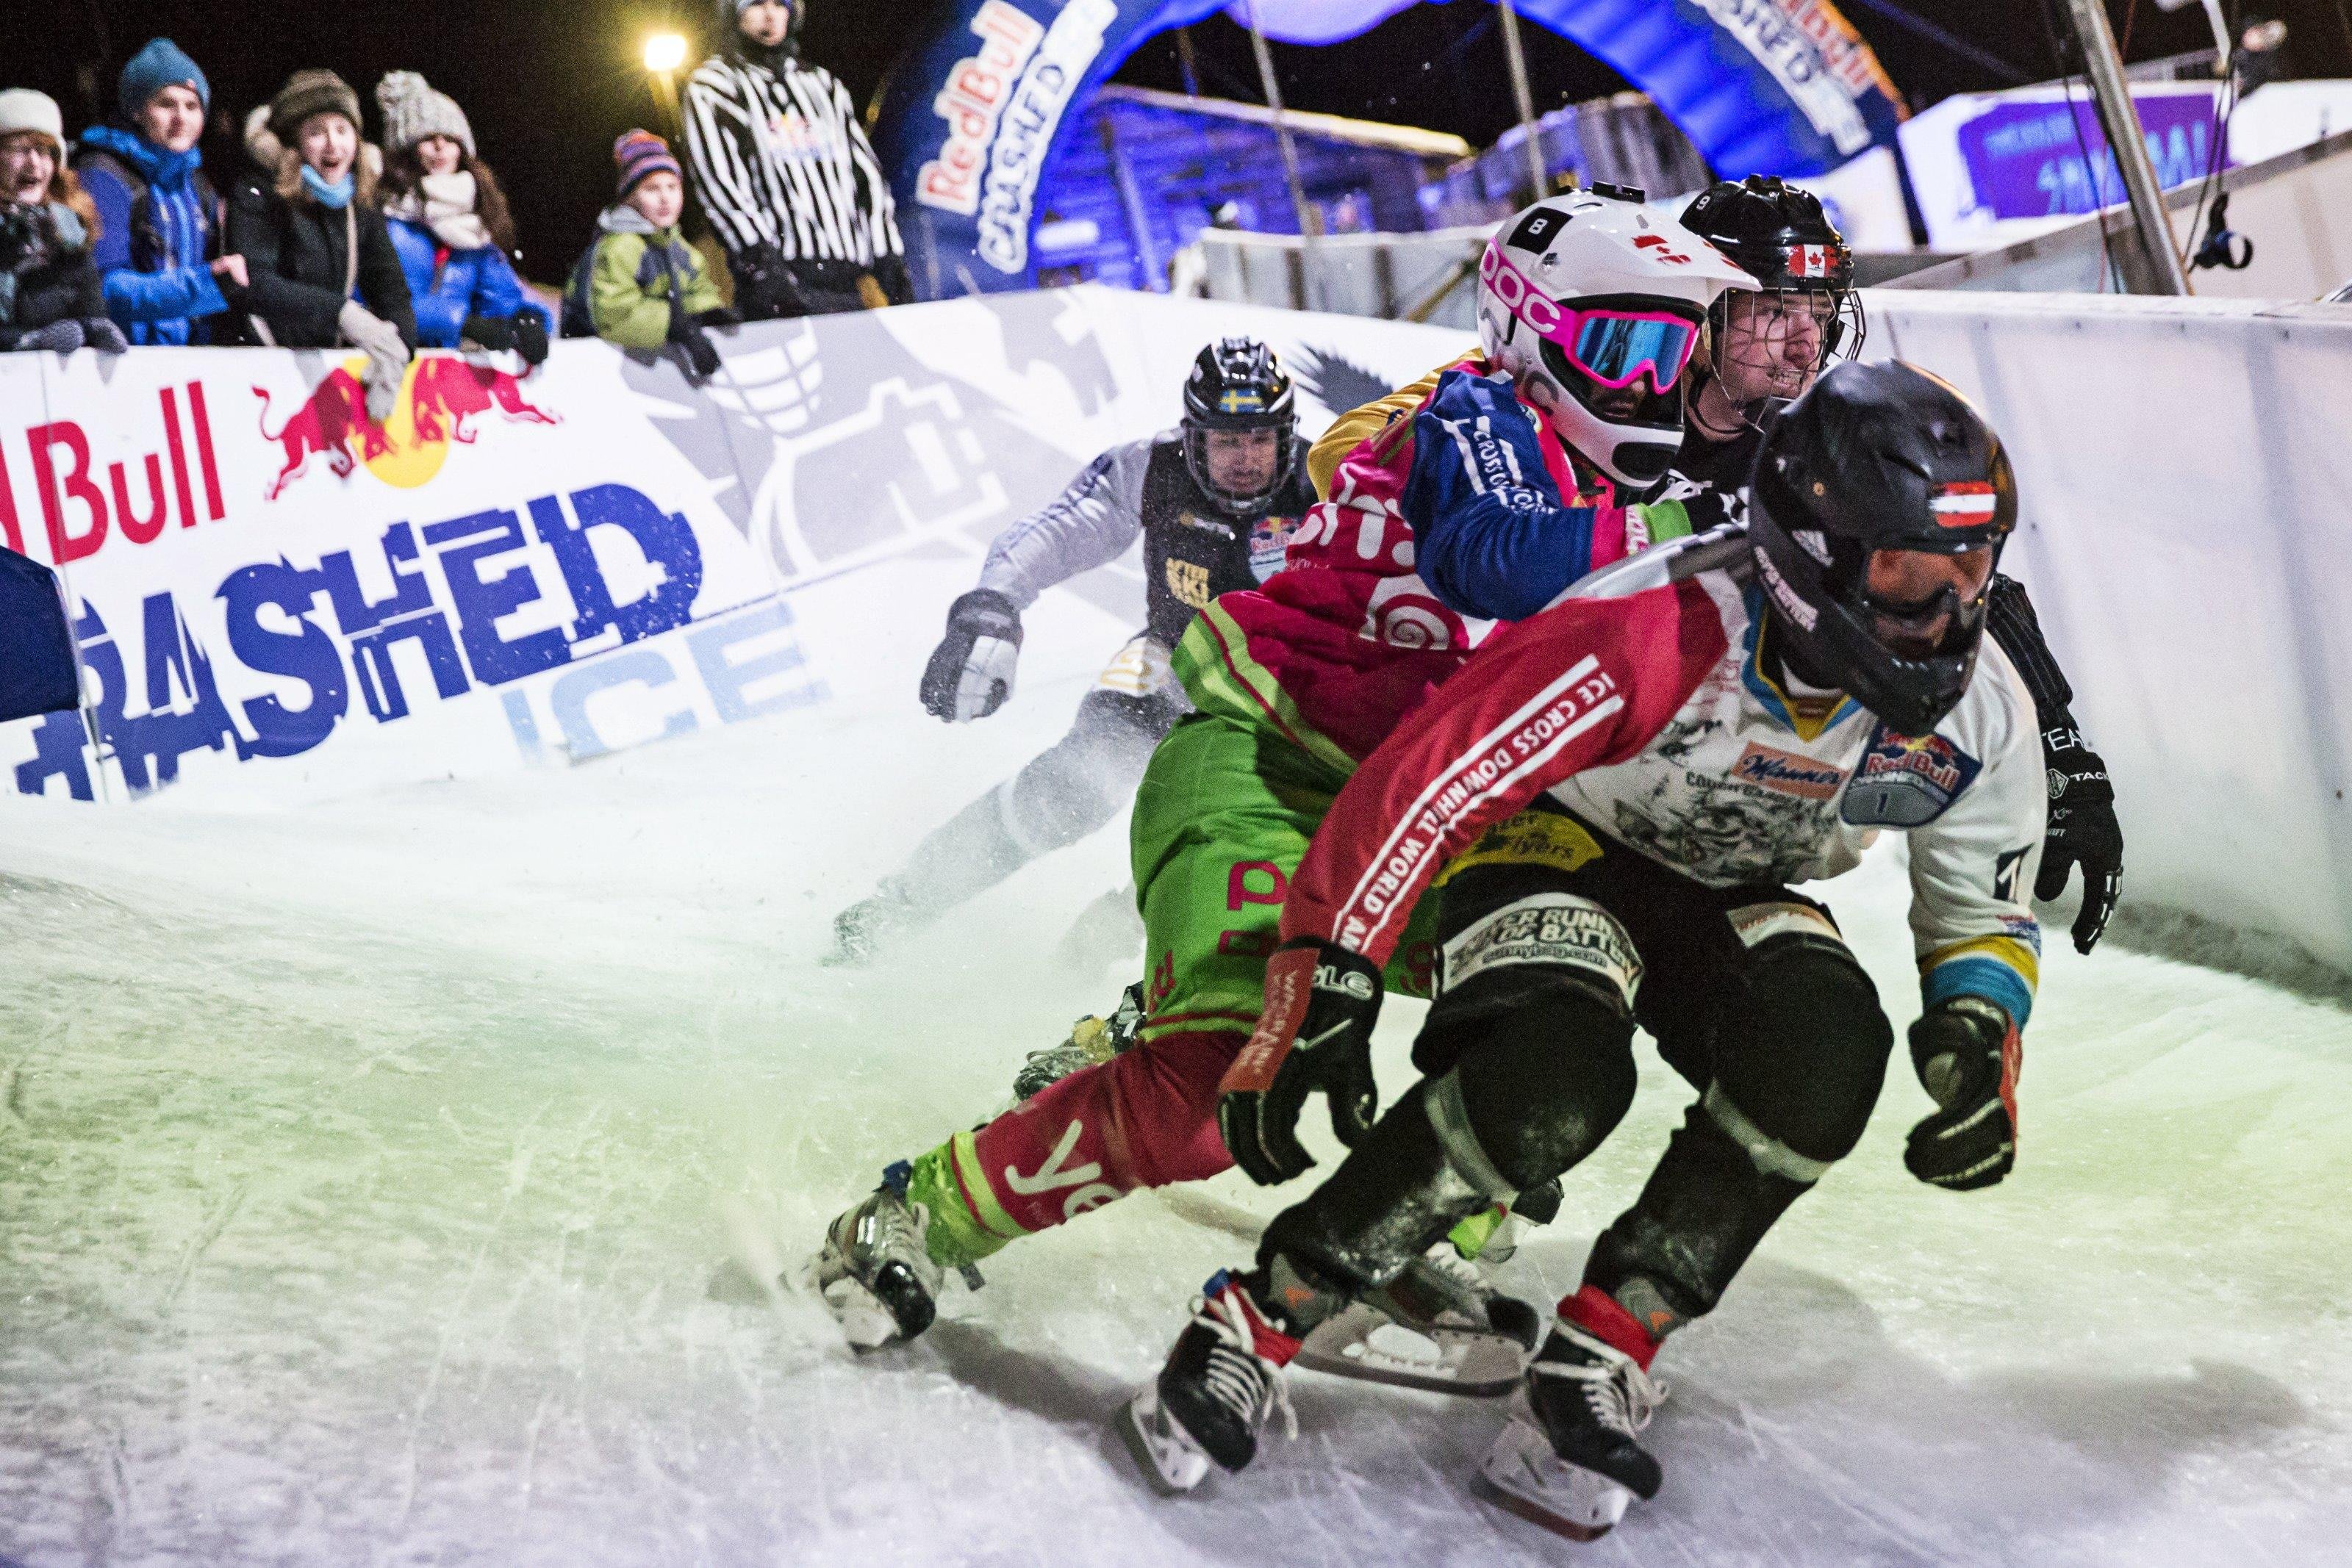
[{"x": 664, "y": 52}]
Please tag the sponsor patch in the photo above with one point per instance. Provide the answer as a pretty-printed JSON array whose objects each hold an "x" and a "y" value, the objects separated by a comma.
[
  {"x": 1786, "y": 773},
  {"x": 1557, "y": 929},
  {"x": 1532, "y": 838},
  {"x": 1189, "y": 582},
  {"x": 1269, "y": 542},
  {"x": 1757, "y": 924},
  {"x": 1905, "y": 781}
]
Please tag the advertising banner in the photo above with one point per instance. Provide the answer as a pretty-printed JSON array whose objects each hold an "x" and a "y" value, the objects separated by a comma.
[
  {"x": 1991, "y": 168},
  {"x": 271, "y": 595},
  {"x": 967, "y": 127}
]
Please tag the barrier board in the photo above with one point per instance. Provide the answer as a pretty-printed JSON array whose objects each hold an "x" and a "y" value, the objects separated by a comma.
[{"x": 273, "y": 597}]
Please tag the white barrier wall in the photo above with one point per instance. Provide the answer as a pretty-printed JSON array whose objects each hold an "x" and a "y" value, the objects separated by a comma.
[
  {"x": 272, "y": 599},
  {"x": 550, "y": 569},
  {"x": 2185, "y": 474}
]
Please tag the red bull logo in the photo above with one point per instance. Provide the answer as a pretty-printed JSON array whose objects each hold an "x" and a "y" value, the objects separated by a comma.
[{"x": 440, "y": 397}]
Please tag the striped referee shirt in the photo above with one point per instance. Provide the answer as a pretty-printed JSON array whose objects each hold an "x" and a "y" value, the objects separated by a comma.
[{"x": 782, "y": 161}]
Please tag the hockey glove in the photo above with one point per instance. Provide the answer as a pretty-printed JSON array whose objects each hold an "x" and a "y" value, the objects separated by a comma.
[
  {"x": 2082, "y": 830},
  {"x": 1967, "y": 1057},
  {"x": 971, "y": 673},
  {"x": 692, "y": 342},
  {"x": 1321, "y": 1001}
]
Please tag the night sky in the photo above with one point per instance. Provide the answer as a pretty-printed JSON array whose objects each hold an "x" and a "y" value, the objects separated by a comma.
[{"x": 548, "y": 85}]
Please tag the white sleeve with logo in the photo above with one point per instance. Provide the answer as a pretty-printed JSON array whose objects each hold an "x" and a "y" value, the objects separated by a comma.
[
  {"x": 1972, "y": 868},
  {"x": 1088, "y": 525}
]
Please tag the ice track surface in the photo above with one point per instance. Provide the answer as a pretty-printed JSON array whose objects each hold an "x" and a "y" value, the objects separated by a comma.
[{"x": 378, "y": 1182}]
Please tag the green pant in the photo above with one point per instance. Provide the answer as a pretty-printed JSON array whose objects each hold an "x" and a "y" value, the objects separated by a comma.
[{"x": 1224, "y": 817}]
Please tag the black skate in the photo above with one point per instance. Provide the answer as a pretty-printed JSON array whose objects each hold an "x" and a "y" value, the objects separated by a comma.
[
  {"x": 1440, "y": 1325},
  {"x": 1568, "y": 1461},
  {"x": 1222, "y": 1381},
  {"x": 875, "y": 1274},
  {"x": 1093, "y": 1042},
  {"x": 860, "y": 930}
]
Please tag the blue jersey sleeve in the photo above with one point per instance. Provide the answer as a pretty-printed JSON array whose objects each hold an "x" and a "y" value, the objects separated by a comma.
[{"x": 1496, "y": 539}]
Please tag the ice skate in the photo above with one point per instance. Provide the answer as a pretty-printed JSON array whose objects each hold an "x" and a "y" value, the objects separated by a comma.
[
  {"x": 1440, "y": 1325},
  {"x": 1568, "y": 1459},
  {"x": 875, "y": 1274},
  {"x": 1093, "y": 1042},
  {"x": 1220, "y": 1382},
  {"x": 860, "y": 930}
]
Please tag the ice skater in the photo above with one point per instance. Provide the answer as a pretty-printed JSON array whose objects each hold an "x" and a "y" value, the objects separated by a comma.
[
  {"x": 1215, "y": 501},
  {"x": 1616, "y": 797}
]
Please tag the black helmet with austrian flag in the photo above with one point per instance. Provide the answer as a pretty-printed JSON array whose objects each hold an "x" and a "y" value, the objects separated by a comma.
[{"x": 1875, "y": 467}]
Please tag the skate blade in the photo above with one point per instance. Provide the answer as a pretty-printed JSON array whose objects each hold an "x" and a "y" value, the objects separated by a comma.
[
  {"x": 1162, "y": 1451},
  {"x": 1365, "y": 1343},
  {"x": 1521, "y": 1473},
  {"x": 865, "y": 1321}
]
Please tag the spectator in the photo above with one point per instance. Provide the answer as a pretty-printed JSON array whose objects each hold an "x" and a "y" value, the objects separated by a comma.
[
  {"x": 323, "y": 271},
  {"x": 786, "y": 175},
  {"x": 159, "y": 218},
  {"x": 50, "y": 296},
  {"x": 640, "y": 285},
  {"x": 449, "y": 222}
]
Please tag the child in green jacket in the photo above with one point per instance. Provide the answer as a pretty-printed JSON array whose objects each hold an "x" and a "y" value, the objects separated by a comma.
[{"x": 642, "y": 286}]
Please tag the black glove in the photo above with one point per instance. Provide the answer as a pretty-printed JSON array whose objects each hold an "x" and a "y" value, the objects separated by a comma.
[
  {"x": 2082, "y": 829},
  {"x": 971, "y": 672},
  {"x": 765, "y": 288},
  {"x": 717, "y": 316},
  {"x": 1321, "y": 1001},
  {"x": 1967, "y": 1057},
  {"x": 531, "y": 339},
  {"x": 890, "y": 273},
  {"x": 495, "y": 334},
  {"x": 701, "y": 353}
]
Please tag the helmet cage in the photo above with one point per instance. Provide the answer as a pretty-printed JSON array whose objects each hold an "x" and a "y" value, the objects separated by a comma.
[{"x": 1196, "y": 459}]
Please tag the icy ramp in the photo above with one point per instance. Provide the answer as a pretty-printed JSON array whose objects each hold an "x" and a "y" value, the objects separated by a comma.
[{"x": 365, "y": 1169}]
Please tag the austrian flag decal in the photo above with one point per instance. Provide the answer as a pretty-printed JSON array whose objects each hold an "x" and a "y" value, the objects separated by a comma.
[{"x": 1970, "y": 504}]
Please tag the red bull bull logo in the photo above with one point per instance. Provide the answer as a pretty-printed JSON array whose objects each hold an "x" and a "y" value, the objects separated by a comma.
[{"x": 440, "y": 397}]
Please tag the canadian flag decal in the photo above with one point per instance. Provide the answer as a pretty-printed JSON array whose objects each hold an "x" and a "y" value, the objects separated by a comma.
[
  {"x": 1970, "y": 504},
  {"x": 1809, "y": 261}
]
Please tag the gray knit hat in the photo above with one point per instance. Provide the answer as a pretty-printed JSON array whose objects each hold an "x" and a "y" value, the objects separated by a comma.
[
  {"x": 310, "y": 93},
  {"x": 413, "y": 111}
]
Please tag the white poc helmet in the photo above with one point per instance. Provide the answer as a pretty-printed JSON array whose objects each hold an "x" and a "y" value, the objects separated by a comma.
[{"x": 1593, "y": 305}]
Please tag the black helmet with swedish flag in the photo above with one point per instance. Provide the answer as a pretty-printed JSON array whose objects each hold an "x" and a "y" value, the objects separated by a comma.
[{"x": 1236, "y": 386}]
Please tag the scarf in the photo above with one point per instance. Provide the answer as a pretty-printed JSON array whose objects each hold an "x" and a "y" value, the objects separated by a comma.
[
  {"x": 337, "y": 195},
  {"x": 165, "y": 171},
  {"x": 448, "y": 204}
]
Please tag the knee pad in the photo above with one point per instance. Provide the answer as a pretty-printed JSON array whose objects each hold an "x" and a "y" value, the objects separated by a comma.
[{"x": 1802, "y": 1059}]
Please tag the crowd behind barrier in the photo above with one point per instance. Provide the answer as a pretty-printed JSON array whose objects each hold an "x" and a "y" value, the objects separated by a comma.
[{"x": 327, "y": 238}]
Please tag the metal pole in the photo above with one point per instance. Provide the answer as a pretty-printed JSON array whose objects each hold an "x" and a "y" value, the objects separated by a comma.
[
  {"x": 1308, "y": 223},
  {"x": 1186, "y": 63},
  {"x": 2128, "y": 140},
  {"x": 1539, "y": 176}
]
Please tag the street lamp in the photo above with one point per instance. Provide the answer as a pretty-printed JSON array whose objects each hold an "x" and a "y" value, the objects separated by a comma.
[{"x": 663, "y": 53}]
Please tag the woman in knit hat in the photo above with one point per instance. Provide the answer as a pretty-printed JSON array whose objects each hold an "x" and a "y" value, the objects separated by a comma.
[
  {"x": 640, "y": 285},
  {"x": 158, "y": 217},
  {"x": 321, "y": 265},
  {"x": 450, "y": 225},
  {"x": 50, "y": 296}
]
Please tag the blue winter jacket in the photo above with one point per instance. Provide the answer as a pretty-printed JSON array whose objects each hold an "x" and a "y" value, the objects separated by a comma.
[
  {"x": 471, "y": 283},
  {"x": 155, "y": 245}
]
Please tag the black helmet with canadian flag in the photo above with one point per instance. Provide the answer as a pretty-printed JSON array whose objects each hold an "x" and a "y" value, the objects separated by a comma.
[
  {"x": 1783, "y": 234},
  {"x": 1878, "y": 458}
]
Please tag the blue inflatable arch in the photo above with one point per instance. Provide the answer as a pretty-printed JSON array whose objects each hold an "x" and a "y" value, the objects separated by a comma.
[{"x": 968, "y": 124}]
